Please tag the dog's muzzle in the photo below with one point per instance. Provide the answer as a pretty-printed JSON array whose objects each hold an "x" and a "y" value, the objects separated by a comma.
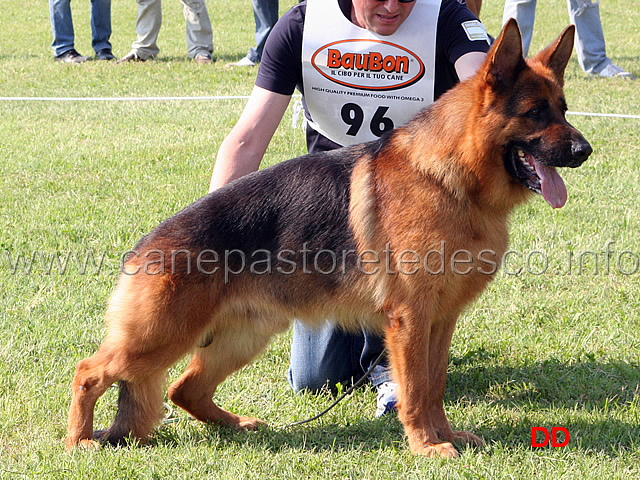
[{"x": 580, "y": 151}]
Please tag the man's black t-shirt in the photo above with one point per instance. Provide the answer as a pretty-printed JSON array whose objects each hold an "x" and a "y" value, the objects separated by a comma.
[{"x": 281, "y": 66}]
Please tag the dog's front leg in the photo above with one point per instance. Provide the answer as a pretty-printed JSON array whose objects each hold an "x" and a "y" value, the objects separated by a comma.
[
  {"x": 408, "y": 339},
  {"x": 439, "y": 344}
]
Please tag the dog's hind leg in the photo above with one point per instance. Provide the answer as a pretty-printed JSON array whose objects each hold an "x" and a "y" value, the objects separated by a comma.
[
  {"x": 139, "y": 409},
  {"x": 230, "y": 349},
  {"x": 141, "y": 375},
  {"x": 150, "y": 329},
  {"x": 91, "y": 380}
]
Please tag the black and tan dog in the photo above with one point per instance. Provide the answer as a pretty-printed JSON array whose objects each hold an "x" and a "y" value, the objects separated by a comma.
[{"x": 397, "y": 235}]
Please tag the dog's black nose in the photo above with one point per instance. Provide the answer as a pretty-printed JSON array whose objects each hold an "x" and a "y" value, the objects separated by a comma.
[{"x": 580, "y": 151}]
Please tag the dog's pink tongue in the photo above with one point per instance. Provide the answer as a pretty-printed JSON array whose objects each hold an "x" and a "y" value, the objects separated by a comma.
[{"x": 553, "y": 188}]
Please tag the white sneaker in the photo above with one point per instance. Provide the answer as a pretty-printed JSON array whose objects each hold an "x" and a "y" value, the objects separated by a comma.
[
  {"x": 387, "y": 398},
  {"x": 612, "y": 70},
  {"x": 243, "y": 62}
]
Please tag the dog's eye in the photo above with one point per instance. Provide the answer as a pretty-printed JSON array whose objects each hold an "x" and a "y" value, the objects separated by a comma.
[{"x": 539, "y": 112}]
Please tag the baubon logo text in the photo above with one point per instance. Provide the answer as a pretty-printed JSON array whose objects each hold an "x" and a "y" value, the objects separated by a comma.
[
  {"x": 536, "y": 441},
  {"x": 368, "y": 64}
]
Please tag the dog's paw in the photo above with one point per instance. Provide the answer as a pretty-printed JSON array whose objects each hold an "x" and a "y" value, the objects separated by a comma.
[
  {"x": 436, "y": 450},
  {"x": 110, "y": 437},
  {"x": 249, "y": 423},
  {"x": 82, "y": 443},
  {"x": 89, "y": 444},
  {"x": 467, "y": 438}
]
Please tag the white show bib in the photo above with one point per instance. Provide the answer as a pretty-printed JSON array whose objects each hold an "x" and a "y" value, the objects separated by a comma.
[{"x": 358, "y": 84}]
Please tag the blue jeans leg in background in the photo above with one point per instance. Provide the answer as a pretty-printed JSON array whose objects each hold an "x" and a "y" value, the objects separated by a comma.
[
  {"x": 324, "y": 356},
  {"x": 61, "y": 26},
  {"x": 265, "y": 13},
  {"x": 100, "y": 24}
]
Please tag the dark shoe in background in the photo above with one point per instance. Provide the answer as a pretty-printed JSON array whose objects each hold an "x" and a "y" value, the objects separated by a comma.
[
  {"x": 105, "y": 54},
  {"x": 71, "y": 56}
]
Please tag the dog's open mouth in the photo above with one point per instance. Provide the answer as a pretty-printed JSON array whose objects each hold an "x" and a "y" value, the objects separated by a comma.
[{"x": 537, "y": 177}]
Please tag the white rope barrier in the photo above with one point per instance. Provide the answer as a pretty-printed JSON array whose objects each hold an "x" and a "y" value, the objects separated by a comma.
[{"x": 219, "y": 97}]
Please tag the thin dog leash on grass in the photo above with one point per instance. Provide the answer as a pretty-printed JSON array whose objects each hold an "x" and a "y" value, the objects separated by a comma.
[
  {"x": 168, "y": 419},
  {"x": 339, "y": 399}
]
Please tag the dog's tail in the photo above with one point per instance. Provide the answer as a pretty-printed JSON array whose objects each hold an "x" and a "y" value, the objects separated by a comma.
[{"x": 139, "y": 410}]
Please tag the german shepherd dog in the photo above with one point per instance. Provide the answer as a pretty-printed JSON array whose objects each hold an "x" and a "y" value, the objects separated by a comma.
[{"x": 396, "y": 235}]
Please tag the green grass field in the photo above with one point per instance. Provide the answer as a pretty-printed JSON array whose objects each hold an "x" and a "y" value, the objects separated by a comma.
[{"x": 556, "y": 345}]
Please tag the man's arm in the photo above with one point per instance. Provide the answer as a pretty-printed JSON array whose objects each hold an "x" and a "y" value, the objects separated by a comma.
[
  {"x": 242, "y": 150},
  {"x": 467, "y": 65}
]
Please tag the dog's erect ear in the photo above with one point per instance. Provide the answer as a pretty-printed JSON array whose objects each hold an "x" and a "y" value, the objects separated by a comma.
[
  {"x": 557, "y": 55},
  {"x": 505, "y": 60}
]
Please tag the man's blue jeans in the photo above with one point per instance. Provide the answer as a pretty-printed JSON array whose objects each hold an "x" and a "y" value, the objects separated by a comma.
[
  {"x": 324, "y": 356},
  {"x": 266, "y": 14},
  {"x": 62, "y": 25}
]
